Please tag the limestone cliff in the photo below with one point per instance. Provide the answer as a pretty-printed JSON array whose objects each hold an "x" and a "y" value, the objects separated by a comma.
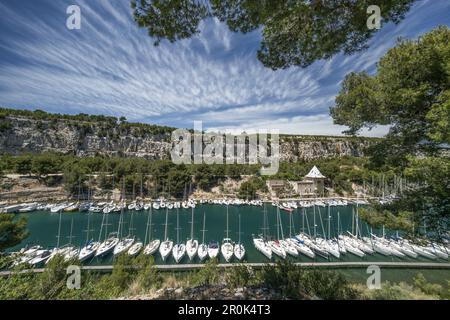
[{"x": 21, "y": 135}]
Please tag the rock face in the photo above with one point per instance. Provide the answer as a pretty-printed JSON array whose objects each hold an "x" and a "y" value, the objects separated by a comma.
[
  {"x": 29, "y": 135},
  {"x": 293, "y": 150},
  {"x": 22, "y": 135}
]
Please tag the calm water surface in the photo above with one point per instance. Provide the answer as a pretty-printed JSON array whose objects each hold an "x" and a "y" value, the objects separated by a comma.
[{"x": 43, "y": 227}]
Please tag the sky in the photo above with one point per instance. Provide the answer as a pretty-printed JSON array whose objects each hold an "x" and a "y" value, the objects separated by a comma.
[{"x": 111, "y": 67}]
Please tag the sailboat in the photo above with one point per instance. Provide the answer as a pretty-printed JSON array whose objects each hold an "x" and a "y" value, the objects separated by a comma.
[
  {"x": 135, "y": 248},
  {"x": 275, "y": 244},
  {"x": 286, "y": 245},
  {"x": 308, "y": 239},
  {"x": 227, "y": 245},
  {"x": 202, "y": 251},
  {"x": 239, "y": 250},
  {"x": 333, "y": 245},
  {"x": 298, "y": 244},
  {"x": 110, "y": 241},
  {"x": 91, "y": 246},
  {"x": 213, "y": 249},
  {"x": 179, "y": 249},
  {"x": 152, "y": 245},
  {"x": 166, "y": 246},
  {"x": 347, "y": 243},
  {"x": 125, "y": 243},
  {"x": 260, "y": 242},
  {"x": 322, "y": 243},
  {"x": 191, "y": 244},
  {"x": 71, "y": 252}
]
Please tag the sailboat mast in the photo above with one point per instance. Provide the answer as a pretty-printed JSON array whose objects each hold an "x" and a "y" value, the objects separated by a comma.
[
  {"x": 146, "y": 229},
  {"x": 227, "y": 223},
  {"x": 106, "y": 227},
  {"x": 178, "y": 229},
  {"x": 71, "y": 229},
  {"x": 314, "y": 213},
  {"x": 239, "y": 241},
  {"x": 101, "y": 228},
  {"x": 192, "y": 224},
  {"x": 329, "y": 222},
  {"x": 87, "y": 230},
  {"x": 290, "y": 226},
  {"x": 357, "y": 221},
  {"x": 278, "y": 223},
  {"x": 59, "y": 231},
  {"x": 165, "y": 229},
  {"x": 203, "y": 236},
  {"x": 339, "y": 223},
  {"x": 303, "y": 220}
]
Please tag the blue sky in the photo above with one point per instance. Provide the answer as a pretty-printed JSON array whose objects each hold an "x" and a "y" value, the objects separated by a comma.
[{"x": 111, "y": 67}]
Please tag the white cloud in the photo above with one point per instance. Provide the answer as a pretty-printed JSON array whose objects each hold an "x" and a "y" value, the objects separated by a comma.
[{"x": 111, "y": 67}]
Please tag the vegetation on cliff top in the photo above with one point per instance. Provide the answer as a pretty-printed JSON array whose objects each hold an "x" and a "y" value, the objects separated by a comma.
[{"x": 410, "y": 92}]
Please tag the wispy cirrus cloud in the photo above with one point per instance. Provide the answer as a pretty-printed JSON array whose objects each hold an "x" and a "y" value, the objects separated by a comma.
[{"x": 112, "y": 67}]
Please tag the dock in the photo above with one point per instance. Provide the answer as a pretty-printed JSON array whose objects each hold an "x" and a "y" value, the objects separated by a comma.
[{"x": 325, "y": 265}]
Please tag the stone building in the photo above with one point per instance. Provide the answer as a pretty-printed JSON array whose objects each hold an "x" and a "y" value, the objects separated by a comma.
[
  {"x": 318, "y": 180},
  {"x": 311, "y": 185}
]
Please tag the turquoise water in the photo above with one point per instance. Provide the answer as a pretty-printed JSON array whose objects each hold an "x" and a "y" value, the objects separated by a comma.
[{"x": 43, "y": 227}]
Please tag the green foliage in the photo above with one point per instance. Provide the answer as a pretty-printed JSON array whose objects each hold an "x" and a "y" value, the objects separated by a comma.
[
  {"x": 239, "y": 276},
  {"x": 433, "y": 289},
  {"x": 148, "y": 276},
  {"x": 294, "y": 33},
  {"x": 23, "y": 165},
  {"x": 19, "y": 285},
  {"x": 12, "y": 230},
  {"x": 377, "y": 217},
  {"x": 53, "y": 280},
  {"x": 410, "y": 92},
  {"x": 248, "y": 189},
  {"x": 293, "y": 282},
  {"x": 106, "y": 126},
  {"x": 44, "y": 164},
  {"x": 5, "y": 125},
  {"x": 208, "y": 274}
]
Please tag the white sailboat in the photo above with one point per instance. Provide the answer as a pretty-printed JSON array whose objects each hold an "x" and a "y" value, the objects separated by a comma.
[
  {"x": 136, "y": 246},
  {"x": 88, "y": 251},
  {"x": 166, "y": 246},
  {"x": 110, "y": 242},
  {"x": 275, "y": 245},
  {"x": 300, "y": 245},
  {"x": 239, "y": 250},
  {"x": 124, "y": 243},
  {"x": 71, "y": 251},
  {"x": 192, "y": 244},
  {"x": 203, "y": 247},
  {"x": 260, "y": 243},
  {"x": 153, "y": 244},
  {"x": 213, "y": 249},
  {"x": 179, "y": 249},
  {"x": 288, "y": 247},
  {"x": 227, "y": 245}
]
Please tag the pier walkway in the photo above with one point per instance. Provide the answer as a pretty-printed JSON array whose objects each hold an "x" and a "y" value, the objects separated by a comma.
[{"x": 332, "y": 265}]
